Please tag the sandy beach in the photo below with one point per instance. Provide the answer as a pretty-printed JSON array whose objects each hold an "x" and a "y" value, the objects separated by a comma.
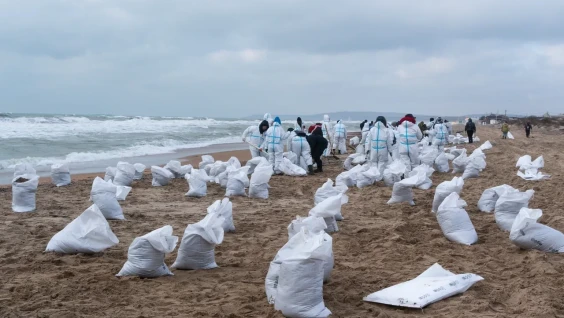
[{"x": 377, "y": 246}]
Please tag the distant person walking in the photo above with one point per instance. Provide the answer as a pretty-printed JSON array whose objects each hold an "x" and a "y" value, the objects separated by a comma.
[
  {"x": 470, "y": 130},
  {"x": 528, "y": 129},
  {"x": 505, "y": 130}
]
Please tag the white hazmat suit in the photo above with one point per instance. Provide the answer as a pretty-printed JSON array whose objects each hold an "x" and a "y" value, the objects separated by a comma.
[
  {"x": 440, "y": 136},
  {"x": 327, "y": 129},
  {"x": 340, "y": 134},
  {"x": 381, "y": 140},
  {"x": 274, "y": 145},
  {"x": 253, "y": 136},
  {"x": 409, "y": 136},
  {"x": 301, "y": 148}
]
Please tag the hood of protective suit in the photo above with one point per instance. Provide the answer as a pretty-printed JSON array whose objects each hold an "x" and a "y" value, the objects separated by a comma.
[
  {"x": 326, "y": 118},
  {"x": 277, "y": 120},
  {"x": 382, "y": 119},
  {"x": 261, "y": 129},
  {"x": 267, "y": 116},
  {"x": 380, "y": 125},
  {"x": 299, "y": 121}
]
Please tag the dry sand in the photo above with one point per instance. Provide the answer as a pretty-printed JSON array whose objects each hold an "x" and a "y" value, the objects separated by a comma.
[{"x": 377, "y": 246}]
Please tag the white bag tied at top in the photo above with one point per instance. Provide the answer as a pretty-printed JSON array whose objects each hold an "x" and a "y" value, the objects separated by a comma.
[
  {"x": 207, "y": 160},
  {"x": 428, "y": 155},
  {"x": 508, "y": 206},
  {"x": 445, "y": 189},
  {"x": 328, "y": 209},
  {"x": 122, "y": 192},
  {"x": 110, "y": 173},
  {"x": 327, "y": 190},
  {"x": 89, "y": 233},
  {"x": 223, "y": 177},
  {"x": 473, "y": 168},
  {"x": 460, "y": 162},
  {"x": 259, "y": 181},
  {"x": 456, "y": 151},
  {"x": 224, "y": 208},
  {"x": 290, "y": 169},
  {"x": 486, "y": 145},
  {"x": 528, "y": 234},
  {"x": 441, "y": 163},
  {"x": 236, "y": 181},
  {"x": 197, "y": 249},
  {"x": 139, "y": 169},
  {"x": 60, "y": 175},
  {"x": 402, "y": 191},
  {"x": 455, "y": 222},
  {"x": 354, "y": 141},
  {"x": 348, "y": 164},
  {"x": 24, "y": 188},
  {"x": 145, "y": 257},
  {"x": 394, "y": 173},
  {"x": 433, "y": 285},
  {"x": 348, "y": 178},
  {"x": 103, "y": 194},
  {"x": 295, "y": 280},
  {"x": 291, "y": 156},
  {"x": 24, "y": 168},
  {"x": 197, "y": 183},
  {"x": 177, "y": 169},
  {"x": 124, "y": 174},
  {"x": 369, "y": 176},
  {"x": 161, "y": 176},
  {"x": 313, "y": 224},
  {"x": 255, "y": 162},
  {"x": 490, "y": 196},
  {"x": 427, "y": 172}
]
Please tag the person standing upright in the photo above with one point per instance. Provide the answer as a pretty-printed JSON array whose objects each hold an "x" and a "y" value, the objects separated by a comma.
[
  {"x": 505, "y": 130},
  {"x": 470, "y": 130},
  {"x": 340, "y": 134},
  {"x": 528, "y": 129}
]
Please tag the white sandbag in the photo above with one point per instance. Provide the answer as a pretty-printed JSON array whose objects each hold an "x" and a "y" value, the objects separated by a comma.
[
  {"x": 139, "y": 169},
  {"x": 528, "y": 234},
  {"x": 255, "y": 162},
  {"x": 360, "y": 149},
  {"x": 456, "y": 151},
  {"x": 455, "y": 222},
  {"x": 124, "y": 174},
  {"x": 224, "y": 208},
  {"x": 197, "y": 183},
  {"x": 24, "y": 188},
  {"x": 60, "y": 175},
  {"x": 359, "y": 160},
  {"x": 348, "y": 178},
  {"x": 206, "y": 160},
  {"x": 328, "y": 209},
  {"x": 444, "y": 189},
  {"x": 508, "y": 206},
  {"x": 328, "y": 190},
  {"x": 177, "y": 169},
  {"x": 312, "y": 223},
  {"x": 89, "y": 233},
  {"x": 428, "y": 155},
  {"x": 290, "y": 169},
  {"x": 441, "y": 163},
  {"x": 533, "y": 174},
  {"x": 146, "y": 254},
  {"x": 433, "y": 285},
  {"x": 216, "y": 168},
  {"x": 510, "y": 135},
  {"x": 348, "y": 164},
  {"x": 161, "y": 176},
  {"x": 486, "y": 145},
  {"x": 299, "y": 291},
  {"x": 110, "y": 173},
  {"x": 450, "y": 156},
  {"x": 354, "y": 141},
  {"x": 103, "y": 194},
  {"x": 291, "y": 156},
  {"x": 233, "y": 161},
  {"x": 426, "y": 172},
  {"x": 460, "y": 162},
  {"x": 24, "y": 168},
  {"x": 236, "y": 180},
  {"x": 122, "y": 192},
  {"x": 223, "y": 177},
  {"x": 490, "y": 196},
  {"x": 525, "y": 163},
  {"x": 368, "y": 177},
  {"x": 476, "y": 139},
  {"x": 197, "y": 249},
  {"x": 394, "y": 172},
  {"x": 402, "y": 191},
  {"x": 258, "y": 187},
  {"x": 473, "y": 168}
]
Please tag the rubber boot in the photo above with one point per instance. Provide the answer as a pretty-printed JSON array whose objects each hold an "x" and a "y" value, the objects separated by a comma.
[{"x": 310, "y": 169}]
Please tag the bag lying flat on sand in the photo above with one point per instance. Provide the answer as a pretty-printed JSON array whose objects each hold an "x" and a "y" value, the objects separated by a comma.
[{"x": 528, "y": 234}]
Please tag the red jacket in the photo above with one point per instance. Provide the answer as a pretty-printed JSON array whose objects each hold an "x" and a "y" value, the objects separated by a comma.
[{"x": 409, "y": 119}]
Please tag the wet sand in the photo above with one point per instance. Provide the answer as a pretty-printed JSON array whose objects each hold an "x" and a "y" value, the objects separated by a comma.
[{"x": 377, "y": 246}]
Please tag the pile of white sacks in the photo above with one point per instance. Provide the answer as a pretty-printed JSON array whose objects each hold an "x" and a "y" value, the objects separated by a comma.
[{"x": 529, "y": 170}]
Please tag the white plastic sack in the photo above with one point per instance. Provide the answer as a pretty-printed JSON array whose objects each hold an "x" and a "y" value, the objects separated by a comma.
[
  {"x": 197, "y": 183},
  {"x": 139, "y": 169},
  {"x": 348, "y": 164},
  {"x": 103, "y": 194},
  {"x": 328, "y": 209},
  {"x": 402, "y": 191},
  {"x": 124, "y": 174},
  {"x": 177, "y": 169},
  {"x": 486, "y": 145},
  {"x": 60, "y": 175},
  {"x": 433, "y": 285},
  {"x": 460, "y": 162},
  {"x": 299, "y": 284},
  {"x": 528, "y": 234},
  {"x": 368, "y": 177},
  {"x": 255, "y": 162},
  {"x": 24, "y": 188},
  {"x": 445, "y": 189},
  {"x": 525, "y": 163},
  {"x": 359, "y": 160},
  {"x": 328, "y": 190},
  {"x": 360, "y": 149},
  {"x": 490, "y": 196},
  {"x": 533, "y": 174},
  {"x": 197, "y": 249},
  {"x": 24, "y": 168},
  {"x": 394, "y": 173},
  {"x": 441, "y": 163},
  {"x": 473, "y": 168},
  {"x": 510, "y": 135},
  {"x": 456, "y": 151},
  {"x": 508, "y": 206},
  {"x": 110, "y": 173},
  {"x": 236, "y": 182},
  {"x": 428, "y": 155},
  {"x": 206, "y": 161},
  {"x": 216, "y": 168},
  {"x": 259, "y": 182},
  {"x": 89, "y": 233},
  {"x": 290, "y": 169},
  {"x": 122, "y": 192},
  {"x": 161, "y": 176},
  {"x": 455, "y": 222},
  {"x": 313, "y": 224},
  {"x": 348, "y": 178},
  {"x": 234, "y": 162},
  {"x": 224, "y": 208},
  {"x": 427, "y": 172},
  {"x": 223, "y": 177},
  {"x": 291, "y": 156},
  {"x": 354, "y": 141},
  {"x": 145, "y": 256}
]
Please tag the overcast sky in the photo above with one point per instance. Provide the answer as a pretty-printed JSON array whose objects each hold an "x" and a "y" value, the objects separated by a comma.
[{"x": 244, "y": 57}]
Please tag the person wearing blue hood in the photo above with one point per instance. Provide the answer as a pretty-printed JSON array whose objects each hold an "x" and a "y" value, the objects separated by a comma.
[{"x": 273, "y": 143}]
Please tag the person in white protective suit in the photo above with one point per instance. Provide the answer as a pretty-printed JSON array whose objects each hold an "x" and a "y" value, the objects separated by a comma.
[
  {"x": 268, "y": 118},
  {"x": 298, "y": 125},
  {"x": 301, "y": 148},
  {"x": 448, "y": 126},
  {"x": 409, "y": 136},
  {"x": 440, "y": 135},
  {"x": 254, "y": 135},
  {"x": 274, "y": 144},
  {"x": 327, "y": 129},
  {"x": 340, "y": 134},
  {"x": 381, "y": 140}
]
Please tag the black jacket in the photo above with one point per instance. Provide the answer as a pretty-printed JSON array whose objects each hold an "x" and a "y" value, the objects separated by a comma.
[
  {"x": 470, "y": 126},
  {"x": 317, "y": 143}
]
